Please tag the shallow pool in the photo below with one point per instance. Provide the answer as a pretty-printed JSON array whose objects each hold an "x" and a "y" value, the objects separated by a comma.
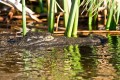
[{"x": 62, "y": 63}]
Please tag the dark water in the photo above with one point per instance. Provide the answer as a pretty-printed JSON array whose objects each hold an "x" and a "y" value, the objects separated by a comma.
[{"x": 69, "y": 63}]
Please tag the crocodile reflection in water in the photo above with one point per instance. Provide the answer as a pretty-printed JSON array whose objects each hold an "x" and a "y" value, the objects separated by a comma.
[{"x": 44, "y": 39}]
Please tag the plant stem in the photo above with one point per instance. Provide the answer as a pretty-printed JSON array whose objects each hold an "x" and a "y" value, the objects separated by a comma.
[
  {"x": 75, "y": 26},
  {"x": 51, "y": 16},
  {"x": 66, "y": 12},
  {"x": 41, "y": 6},
  {"x": 110, "y": 17},
  {"x": 71, "y": 18},
  {"x": 24, "y": 18},
  {"x": 90, "y": 19}
]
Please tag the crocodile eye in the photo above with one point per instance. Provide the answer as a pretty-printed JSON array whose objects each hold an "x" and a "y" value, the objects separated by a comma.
[
  {"x": 49, "y": 38},
  {"x": 40, "y": 36},
  {"x": 29, "y": 39},
  {"x": 34, "y": 37}
]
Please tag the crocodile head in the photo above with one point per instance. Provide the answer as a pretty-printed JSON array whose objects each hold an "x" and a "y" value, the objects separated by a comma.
[
  {"x": 45, "y": 39},
  {"x": 36, "y": 38}
]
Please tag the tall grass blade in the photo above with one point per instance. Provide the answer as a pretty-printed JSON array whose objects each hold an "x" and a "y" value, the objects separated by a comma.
[
  {"x": 71, "y": 18},
  {"x": 75, "y": 26},
  {"x": 51, "y": 16},
  {"x": 66, "y": 11},
  {"x": 24, "y": 18},
  {"x": 41, "y": 6},
  {"x": 110, "y": 16}
]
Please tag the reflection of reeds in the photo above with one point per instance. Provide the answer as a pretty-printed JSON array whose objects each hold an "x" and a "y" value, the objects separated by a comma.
[
  {"x": 117, "y": 55},
  {"x": 73, "y": 60}
]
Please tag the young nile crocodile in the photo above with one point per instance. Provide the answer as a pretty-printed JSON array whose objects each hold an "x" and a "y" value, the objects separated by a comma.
[{"x": 44, "y": 39}]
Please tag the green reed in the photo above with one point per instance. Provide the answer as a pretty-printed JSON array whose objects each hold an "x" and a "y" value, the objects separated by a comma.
[
  {"x": 91, "y": 8},
  {"x": 66, "y": 12},
  {"x": 75, "y": 26},
  {"x": 51, "y": 16},
  {"x": 24, "y": 18},
  {"x": 118, "y": 13},
  {"x": 41, "y": 6},
  {"x": 71, "y": 18},
  {"x": 110, "y": 16}
]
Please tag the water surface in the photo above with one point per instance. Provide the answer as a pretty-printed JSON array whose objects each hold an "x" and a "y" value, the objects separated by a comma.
[{"x": 65, "y": 63}]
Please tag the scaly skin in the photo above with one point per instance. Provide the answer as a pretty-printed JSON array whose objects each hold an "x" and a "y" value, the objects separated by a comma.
[{"x": 43, "y": 39}]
